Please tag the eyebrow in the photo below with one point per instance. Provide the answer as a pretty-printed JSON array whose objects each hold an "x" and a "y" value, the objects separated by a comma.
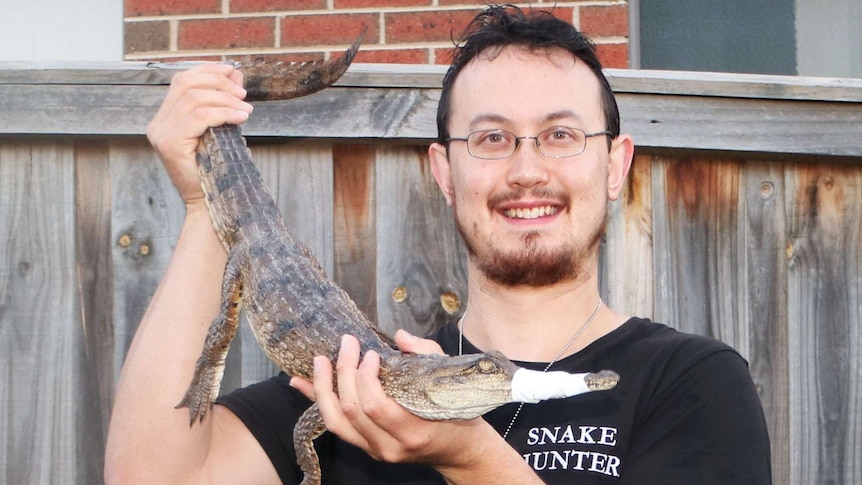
[
  {"x": 488, "y": 118},
  {"x": 502, "y": 120}
]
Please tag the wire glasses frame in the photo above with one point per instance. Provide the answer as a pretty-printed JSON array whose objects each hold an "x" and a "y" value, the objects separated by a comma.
[{"x": 555, "y": 142}]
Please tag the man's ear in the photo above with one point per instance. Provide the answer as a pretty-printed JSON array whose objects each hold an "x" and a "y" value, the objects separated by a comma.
[
  {"x": 441, "y": 170},
  {"x": 619, "y": 163}
]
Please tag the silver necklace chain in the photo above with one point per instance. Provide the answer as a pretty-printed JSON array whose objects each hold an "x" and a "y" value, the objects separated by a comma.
[{"x": 552, "y": 362}]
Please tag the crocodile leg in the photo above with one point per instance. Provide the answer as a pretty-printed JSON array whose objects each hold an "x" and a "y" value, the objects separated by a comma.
[
  {"x": 309, "y": 426},
  {"x": 209, "y": 368}
]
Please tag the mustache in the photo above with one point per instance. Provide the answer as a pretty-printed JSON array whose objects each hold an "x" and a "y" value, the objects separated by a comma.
[{"x": 543, "y": 193}]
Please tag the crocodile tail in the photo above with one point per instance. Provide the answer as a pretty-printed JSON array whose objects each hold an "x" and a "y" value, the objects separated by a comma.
[{"x": 265, "y": 81}]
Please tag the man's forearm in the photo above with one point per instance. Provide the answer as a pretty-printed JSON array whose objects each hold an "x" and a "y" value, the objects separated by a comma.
[{"x": 147, "y": 435}]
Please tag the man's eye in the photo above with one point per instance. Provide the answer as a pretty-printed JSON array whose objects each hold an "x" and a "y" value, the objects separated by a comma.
[
  {"x": 561, "y": 135},
  {"x": 489, "y": 138},
  {"x": 493, "y": 138}
]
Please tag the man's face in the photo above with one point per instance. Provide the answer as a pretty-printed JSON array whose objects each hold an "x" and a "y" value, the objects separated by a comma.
[{"x": 528, "y": 219}]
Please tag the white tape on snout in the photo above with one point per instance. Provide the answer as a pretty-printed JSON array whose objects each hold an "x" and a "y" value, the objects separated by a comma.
[{"x": 533, "y": 386}]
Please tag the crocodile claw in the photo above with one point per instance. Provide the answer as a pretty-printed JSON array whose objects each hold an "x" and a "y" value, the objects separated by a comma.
[{"x": 202, "y": 391}]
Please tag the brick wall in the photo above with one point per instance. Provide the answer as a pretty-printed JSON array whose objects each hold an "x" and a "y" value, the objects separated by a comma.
[{"x": 398, "y": 31}]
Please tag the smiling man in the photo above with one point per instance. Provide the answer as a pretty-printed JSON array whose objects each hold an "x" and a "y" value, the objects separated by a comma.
[{"x": 528, "y": 156}]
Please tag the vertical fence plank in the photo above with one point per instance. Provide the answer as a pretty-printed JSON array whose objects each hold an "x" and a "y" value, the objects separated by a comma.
[
  {"x": 696, "y": 242},
  {"x": 145, "y": 223},
  {"x": 766, "y": 296},
  {"x": 39, "y": 317},
  {"x": 824, "y": 276},
  {"x": 627, "y": 261},
  {"x": 421, "y": 269},
  {"x": 94, "y": 281},
  {"x": 354, "y": 224}
]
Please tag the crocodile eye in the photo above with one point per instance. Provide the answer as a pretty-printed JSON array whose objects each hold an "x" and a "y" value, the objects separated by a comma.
[{"x": 486, "y": 366}]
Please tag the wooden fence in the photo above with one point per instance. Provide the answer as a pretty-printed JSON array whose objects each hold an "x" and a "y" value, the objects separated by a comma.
[{"x": 742, "y": 220}]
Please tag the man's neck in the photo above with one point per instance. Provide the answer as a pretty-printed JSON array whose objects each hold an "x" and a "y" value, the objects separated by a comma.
[{"x": 535, "y": 324}]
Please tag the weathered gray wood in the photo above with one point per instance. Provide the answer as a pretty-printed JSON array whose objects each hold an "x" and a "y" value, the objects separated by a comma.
[
  {"x": 421, "y": 272},
  {"x": 422, "y": 76},
  {"x": 355, "y": 224},
  {"x": 145, "y": 222},
  {"x": 40, "y": 328},
  {"x": 742, "y": 125},
  {"x": 695, "y": 219},
  {"x": 94, "y": 282},
  {"x": 682, "y": 111},
  {"x": 735, "y": 85},
  {"x": 627, "y": 262},
  {"x": 764, "y": 301},
  {"x": 824, "y": 274}
]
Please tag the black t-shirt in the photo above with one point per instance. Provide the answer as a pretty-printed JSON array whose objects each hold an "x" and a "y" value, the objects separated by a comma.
[{"x": 685, "y": 411}]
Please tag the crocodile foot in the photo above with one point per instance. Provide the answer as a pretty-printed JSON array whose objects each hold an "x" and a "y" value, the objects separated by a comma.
[{"x": 202, "y": 391}]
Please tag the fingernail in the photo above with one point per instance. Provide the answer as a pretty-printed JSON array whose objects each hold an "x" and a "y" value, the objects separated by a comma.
[{"x": 317, "y": 364}]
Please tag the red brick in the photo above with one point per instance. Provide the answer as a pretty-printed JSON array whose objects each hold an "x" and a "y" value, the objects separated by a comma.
[
  {"x": 380, "y": 3},
  {"x": 443, "y": 56},
  {"x": 605, "y": 21},
  {"x": 242, "y": 6},
  {"x": 328, "y": 29},
  {"x": 138, "y": 8},
  {"x": 614, "y": 55},
  {"x": 226, "y": 33},
  {"x": 394, "y": 56},
  {"x": 426, "y": 26},
  {"x": 146, "y": 36},
  {"x": 563, "y": 13}
]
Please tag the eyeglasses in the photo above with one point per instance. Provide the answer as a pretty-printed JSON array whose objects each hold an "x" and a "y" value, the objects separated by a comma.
[{"x": 555, "y": 142}]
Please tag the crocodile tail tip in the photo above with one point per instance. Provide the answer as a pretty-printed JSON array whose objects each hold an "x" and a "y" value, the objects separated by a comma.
[{"x": 265, "y": 81}]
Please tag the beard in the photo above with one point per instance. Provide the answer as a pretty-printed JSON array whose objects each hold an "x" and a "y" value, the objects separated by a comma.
[{"x": 531, "y": 263}]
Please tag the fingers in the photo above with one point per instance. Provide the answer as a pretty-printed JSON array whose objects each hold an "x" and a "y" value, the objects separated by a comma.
[
  {"x": 213, "y": 77},
  {"x": 332, "y": 405},
  {"x": 303, "y": 386},
  {"x": 362, "y": 414},
  {"x": 206, "y": 95},
  {"x": 410, "y": 343}
]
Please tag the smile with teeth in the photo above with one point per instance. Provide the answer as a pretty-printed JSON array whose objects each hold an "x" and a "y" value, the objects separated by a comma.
[{"x": 531, "y": 213}]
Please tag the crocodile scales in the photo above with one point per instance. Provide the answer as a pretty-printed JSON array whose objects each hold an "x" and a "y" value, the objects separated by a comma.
[{"x": 296, "y": 312}]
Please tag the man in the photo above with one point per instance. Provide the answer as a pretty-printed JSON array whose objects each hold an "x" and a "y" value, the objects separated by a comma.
[{"x": 528, "y": 155}]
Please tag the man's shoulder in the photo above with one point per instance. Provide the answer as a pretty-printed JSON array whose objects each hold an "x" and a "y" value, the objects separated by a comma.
[
  {"x": 659, "y": 342},
  {"x": 648, "y": 332}
]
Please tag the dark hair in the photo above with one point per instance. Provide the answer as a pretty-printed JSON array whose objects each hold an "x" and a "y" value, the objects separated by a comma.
[{"x": 499, "y": 26}]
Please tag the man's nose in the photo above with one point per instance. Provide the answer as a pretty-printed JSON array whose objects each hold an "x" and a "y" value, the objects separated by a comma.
[{"x": 527, "y": 166}]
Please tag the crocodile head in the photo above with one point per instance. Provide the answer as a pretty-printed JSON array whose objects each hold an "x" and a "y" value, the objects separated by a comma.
[
  {"x": 468, "y": 386},
  {"x": 442, "y": 387}
]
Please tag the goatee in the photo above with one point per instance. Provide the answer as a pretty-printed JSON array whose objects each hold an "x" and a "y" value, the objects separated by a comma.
[{"x": 532, "y": 264}]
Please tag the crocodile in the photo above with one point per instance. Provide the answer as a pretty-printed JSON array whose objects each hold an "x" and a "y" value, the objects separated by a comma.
[{"x": 296, "y": 312}]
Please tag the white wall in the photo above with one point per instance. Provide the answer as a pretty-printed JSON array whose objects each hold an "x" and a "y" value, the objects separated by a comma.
[
  {"x": 61, "y": 30},
  {"x": 829, "y": 38}
]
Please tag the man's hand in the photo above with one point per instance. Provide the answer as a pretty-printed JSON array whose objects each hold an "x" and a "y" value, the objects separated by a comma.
[
  {"x": 362, "y": 414},
  {"x": 204, "y": 96}
]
